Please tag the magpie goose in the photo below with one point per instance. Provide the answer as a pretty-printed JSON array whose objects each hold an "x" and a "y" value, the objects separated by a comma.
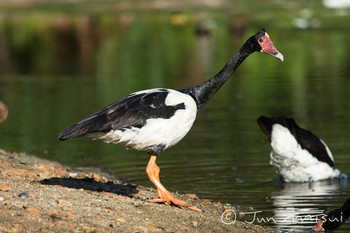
[
  {"x": 156, "y": 119},
  {"x": 333, "y": 219},
  {"x": 297, "y": 154}
]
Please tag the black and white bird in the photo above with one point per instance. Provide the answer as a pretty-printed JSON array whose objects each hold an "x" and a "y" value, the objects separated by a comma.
[
  {"x": 297, "y": 154},
  {"x": 333, "y": 219},
  {"x": 156, "y": 119}
]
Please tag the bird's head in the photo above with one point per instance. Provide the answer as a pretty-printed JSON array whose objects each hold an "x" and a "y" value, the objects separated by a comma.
[{"x": 262, "y": 42}]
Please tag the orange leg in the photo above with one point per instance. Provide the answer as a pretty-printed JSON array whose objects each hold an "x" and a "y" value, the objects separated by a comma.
[
  {"x": 164, "y": 196},
  {"x": 155, "y": 171}
]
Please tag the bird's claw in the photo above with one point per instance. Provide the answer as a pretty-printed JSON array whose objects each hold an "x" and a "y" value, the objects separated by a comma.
[{"x": 177, "y": 203}]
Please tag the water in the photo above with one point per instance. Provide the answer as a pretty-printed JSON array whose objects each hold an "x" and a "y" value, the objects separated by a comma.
[{"x": 56, "y": 69}]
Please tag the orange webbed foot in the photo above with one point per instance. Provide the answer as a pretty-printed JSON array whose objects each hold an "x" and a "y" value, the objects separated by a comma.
[
  {"x": 164, "y": 196},
  {"x": 176, "y": 202}
]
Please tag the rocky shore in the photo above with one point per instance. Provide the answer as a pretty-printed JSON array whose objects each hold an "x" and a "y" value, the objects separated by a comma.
[{"x": 38, "y": 195}]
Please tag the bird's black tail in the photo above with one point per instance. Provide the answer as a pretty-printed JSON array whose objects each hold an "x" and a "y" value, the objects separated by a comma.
[
  {"x": 266, "y": 124},
  {"x": 84, "y": 127},
  {"x": 74, "y": 131},
  {"x": 70, "y": 132}
]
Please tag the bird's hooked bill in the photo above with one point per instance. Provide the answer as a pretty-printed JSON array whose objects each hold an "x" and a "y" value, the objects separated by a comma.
[{"x": 268, "y": 47}]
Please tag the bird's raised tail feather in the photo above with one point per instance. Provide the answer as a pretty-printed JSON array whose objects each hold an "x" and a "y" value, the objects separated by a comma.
[
  {"x": 82, "y": 128},
  {"x": 70, "y": 132}
]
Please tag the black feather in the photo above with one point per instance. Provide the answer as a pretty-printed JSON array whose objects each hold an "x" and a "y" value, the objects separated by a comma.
[{"x": 131, "y": 111}]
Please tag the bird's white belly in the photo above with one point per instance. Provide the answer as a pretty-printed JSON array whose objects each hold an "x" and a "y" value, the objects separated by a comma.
[{"x": 158, "y": 131}]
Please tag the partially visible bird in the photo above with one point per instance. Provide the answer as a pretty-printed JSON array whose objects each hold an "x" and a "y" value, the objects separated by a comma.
[
  {"x": 333, "y": 219},
  {"x": 297, "y": 154},
  {"x": 156, "y": 119},
  {"x": 3, "y": 112}
]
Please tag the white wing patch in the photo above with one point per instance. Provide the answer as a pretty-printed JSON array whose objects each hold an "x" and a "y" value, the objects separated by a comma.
[{"x": 328, "y": 150}]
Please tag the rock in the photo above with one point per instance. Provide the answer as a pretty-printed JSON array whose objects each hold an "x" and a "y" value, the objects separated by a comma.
[
  {"x": 24, "y": 195},
  {"x": 73, "y": 174},
  {"x": 95, "y": 176},
  {"x": 33, "y": 210},
  {"x": 4, "y": 164},
  {"x": 4, "y": 187},
  {"x": 62, "y": 201},
  {"x": 184, "y": 228},
  {"x": 44, "y": 167},
  {"x": 120, "y": 219},
  {"x": 51, "y": 212},
  {"x": 192, "y": 195},
  {"x": 16, "y": 171},
  {"x": 68, "y": 210},
  {"x": 154, "y": 229},
  {"x": 140, "y": 229},
  {"x": 119, "y": 198},
  {"x": 60, "y": 172}
]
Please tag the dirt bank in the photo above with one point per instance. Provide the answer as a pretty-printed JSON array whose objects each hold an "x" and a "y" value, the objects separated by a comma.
[{"x": 37, "y": 195}]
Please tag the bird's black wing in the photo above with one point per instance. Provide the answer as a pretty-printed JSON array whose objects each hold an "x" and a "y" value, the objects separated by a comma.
[
  {"x": 130, "y": 111},
  {"x": 313, "y": 144},
  {"x": 305, "y": 138}
]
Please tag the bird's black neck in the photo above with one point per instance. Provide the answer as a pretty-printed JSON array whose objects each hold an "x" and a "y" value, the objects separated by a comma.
[{"x": 203, "y": 92}]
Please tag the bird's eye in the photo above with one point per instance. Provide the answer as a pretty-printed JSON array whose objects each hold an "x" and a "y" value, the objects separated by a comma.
[{"x": 261, "y": 40}]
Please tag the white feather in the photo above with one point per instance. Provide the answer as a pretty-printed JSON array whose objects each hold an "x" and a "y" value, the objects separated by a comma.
[
  {"x": 158, "y": 131},
  {"x": 293, "y": 163}
]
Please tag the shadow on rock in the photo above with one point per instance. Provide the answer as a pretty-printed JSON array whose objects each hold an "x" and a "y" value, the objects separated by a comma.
[{"x": 92, "y": 185}]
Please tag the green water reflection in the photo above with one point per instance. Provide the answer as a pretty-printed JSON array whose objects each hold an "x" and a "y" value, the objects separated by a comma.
[{"x": 58, "y": 67}]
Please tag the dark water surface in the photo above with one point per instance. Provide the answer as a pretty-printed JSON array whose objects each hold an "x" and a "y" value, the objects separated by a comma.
[{"x": 56, "y": 69}]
